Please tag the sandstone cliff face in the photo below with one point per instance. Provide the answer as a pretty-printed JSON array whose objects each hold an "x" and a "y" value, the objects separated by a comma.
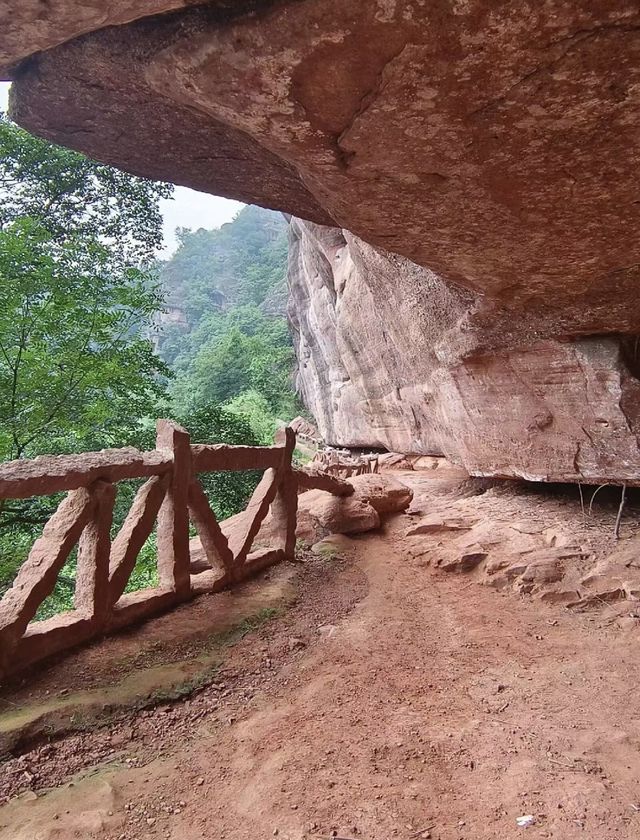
[
  {"x": 384, "y": 360},
  {"x": 366, "y": 325},
  {"x": 492, "y": 144}
]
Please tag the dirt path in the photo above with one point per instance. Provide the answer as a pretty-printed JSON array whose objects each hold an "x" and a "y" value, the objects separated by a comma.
[{"x": 433, "y": 707}]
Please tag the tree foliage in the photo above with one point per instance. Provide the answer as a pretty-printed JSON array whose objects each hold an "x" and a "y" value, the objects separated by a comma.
[
  {"x": 75, "y": 369},
  {"x": 253, "y": 407},
  {"x": 77, "y": 240},
  {"x": 236, "y": 352},
  {"x": 234, "y": 265},
  {"x": 73, "y": 196},
  {"x": 231, "y": 337}
]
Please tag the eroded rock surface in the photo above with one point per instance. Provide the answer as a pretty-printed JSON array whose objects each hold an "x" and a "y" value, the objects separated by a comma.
[
  {"x": 392, "y": 356},
  {"x": 492, "y": 145},
  {"x": 31, "y": 26},
  {"x": 558, "y": 548}
]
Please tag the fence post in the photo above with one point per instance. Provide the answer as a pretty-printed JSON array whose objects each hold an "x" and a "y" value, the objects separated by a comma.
[
  {"x": 92, "y": 579},
  {"x": 285, "y": 504},
  {"x": 173, "y": 518}
]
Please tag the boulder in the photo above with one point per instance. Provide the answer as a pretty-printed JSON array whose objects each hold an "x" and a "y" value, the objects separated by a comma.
[
  {"x": 374, "y": 497},
  {"x": 393, "y": 461},
  {"x": 321, "y": 514},
  {"x": 383, "y": 493}
]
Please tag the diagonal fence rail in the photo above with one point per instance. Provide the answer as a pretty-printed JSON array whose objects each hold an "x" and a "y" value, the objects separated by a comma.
[{"x": 172, "y": 497}]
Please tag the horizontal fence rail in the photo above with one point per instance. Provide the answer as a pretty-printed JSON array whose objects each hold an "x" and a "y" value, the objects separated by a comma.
[
  {"x": 57, "y": 473},
  {"x": 171, "y": 499}
]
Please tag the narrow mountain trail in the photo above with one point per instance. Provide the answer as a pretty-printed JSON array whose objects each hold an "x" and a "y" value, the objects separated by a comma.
[{"x": 428, "y": 707}]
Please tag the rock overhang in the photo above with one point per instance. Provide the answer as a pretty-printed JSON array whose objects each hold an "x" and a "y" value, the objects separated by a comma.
[{"x": 493, "y": 145}]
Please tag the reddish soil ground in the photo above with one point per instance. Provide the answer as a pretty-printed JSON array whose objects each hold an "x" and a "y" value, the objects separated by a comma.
[{"x": 388, "y": 699}]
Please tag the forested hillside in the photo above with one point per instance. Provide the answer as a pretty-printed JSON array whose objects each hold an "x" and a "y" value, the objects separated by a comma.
[
  {"x": 238, "y": 264},
  {"x": 224, "y": 333}
]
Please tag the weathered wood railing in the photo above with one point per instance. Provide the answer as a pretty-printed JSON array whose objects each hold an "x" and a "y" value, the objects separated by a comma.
[{"x": 173, "y": 496}]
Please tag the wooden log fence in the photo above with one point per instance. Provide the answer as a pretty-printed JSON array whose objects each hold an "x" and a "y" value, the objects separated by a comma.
[{"x": 173, "y": 497}]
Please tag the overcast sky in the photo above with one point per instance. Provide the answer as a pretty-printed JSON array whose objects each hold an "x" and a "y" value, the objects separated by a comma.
[{"x": 188, "y": 208}]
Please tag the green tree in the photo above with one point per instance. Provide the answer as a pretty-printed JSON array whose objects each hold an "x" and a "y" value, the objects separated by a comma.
[
  {"x": 229, "y": 354},
  {"x": 75, "y": 370},
  {"x": 228, "y": 340},
  {"x": 78, "y": 297},
  {"x": 254, "y": 408},
  {"x": 237, "y": 264},
  {"x": 77, "y": 241},
  {"x": 74, "y": 196}
]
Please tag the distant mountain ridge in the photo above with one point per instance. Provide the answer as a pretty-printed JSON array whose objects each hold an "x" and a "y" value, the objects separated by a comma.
[
  {"x": 243, "y": 262},
  {"x": 225, "y": 333}
]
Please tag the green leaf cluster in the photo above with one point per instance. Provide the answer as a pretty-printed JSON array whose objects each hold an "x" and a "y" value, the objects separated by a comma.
[
  {"x": 76, "y": 370},
  {"x": 79, "y": 299},
  {"x": 73, "y": 196},
  {"x": 77, "y": 238},
  {"x": 231, "y": 353}
]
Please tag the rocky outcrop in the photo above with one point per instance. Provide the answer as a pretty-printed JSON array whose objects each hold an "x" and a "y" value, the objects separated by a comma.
[
  {"x": 375, "y": 498},
  {"x": 536, "y": 544},
  {"x": 366, "y": 325},
  {"x": 492, "y": 145},
  {"x": 392, "y": 356},
  {"x": 31, "y": 26}
]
